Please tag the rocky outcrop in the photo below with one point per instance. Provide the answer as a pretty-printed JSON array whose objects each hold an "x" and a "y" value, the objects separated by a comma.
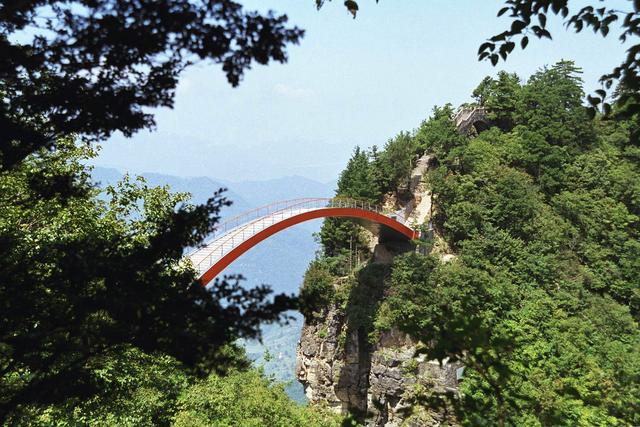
[
  {"x": 396, "y": 378},
  {"x": 331, "y": 366},
  {"x": 376, "y": 378},
  {"x": 379, "y": 382},
  {"x": 418, "y": 210}
]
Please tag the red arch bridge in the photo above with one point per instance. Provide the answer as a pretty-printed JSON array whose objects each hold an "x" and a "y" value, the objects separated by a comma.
[{"x": 239, "y": 234}]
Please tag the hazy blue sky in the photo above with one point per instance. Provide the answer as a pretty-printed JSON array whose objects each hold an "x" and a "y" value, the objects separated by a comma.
[{"x": 350, "y": 82}]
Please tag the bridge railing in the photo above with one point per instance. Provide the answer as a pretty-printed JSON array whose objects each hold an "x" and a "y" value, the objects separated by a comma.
[
  {"x": 248, "y": 216},
  {"x": 265, "y": 210},
  {"x": 236, "y": 230}
]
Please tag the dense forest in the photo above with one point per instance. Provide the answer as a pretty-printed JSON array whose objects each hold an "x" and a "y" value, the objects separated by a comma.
[
  {"x": 542, "y": 300},
  {"x": 103, "y": 323}
]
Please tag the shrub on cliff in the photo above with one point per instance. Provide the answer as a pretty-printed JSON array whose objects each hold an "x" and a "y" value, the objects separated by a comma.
[{"x": 317, "y": 291}]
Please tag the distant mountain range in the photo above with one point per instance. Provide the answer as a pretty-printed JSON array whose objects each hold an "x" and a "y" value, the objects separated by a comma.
[
  {"x": 245, "y": 195},
  {"x": 201, "y": 188},
  {"x": 279, "y": 261}
]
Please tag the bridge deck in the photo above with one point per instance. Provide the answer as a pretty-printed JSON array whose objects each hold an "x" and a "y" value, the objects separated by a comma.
[
  {"x": 239, "y": 234},
  {"x": 215, "y": 250}
]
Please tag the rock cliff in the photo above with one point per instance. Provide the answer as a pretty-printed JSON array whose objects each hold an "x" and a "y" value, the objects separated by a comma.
[{"x": 375, "y": 376}]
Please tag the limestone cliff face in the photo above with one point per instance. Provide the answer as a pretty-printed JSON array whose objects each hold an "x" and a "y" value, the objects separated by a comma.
[
  {"x": 378, "y": 381},
  {"x": 333, "y": 367},
  {"x": 377, "y": 378}
]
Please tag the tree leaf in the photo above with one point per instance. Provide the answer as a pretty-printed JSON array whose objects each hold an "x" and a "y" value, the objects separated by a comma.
[
  {"x": 543, "y": 20},
  {"x": 517, "y": 26},
  {"x": 594, "y": 101},
  {"x": 485, "y": 46},
  {"x": 352, "y": 6}
]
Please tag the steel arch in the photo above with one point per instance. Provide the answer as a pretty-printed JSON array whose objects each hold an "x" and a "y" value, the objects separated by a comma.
[{"x": 236, "y": 236}]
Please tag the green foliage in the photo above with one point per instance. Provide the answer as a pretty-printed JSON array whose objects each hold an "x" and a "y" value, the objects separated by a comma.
[
  {"x": 368, "y": 176},
  {"x": 244, "y": 399},
  {"x": 394, "y": 164},
  {"x": 542, "y": 303},
  {"x": 410, "y": 367},
  {"x": 142, "y": 390},
  {"x": 343, "y": 241},
  {"x": 356, "y": 180},
  {"x": 50, "y": 87},
  {"x": 83, "y": 274},
  {"x": 92, "y": 284},
  {"x": 409, "y": 274},
  {"x": 317, "y": 291},
  {"x": 501, "y": 97},
  {"x": 339, "y": 236},
  {"x": 135, "y": 389},
  {"x": 365, "y": 295},
  {"x": 438, "y": 134},
  {"x": 322, "y": 333},
  {"x": 551, "y": 104},
  {"x": 366, "y": 289},
  {"x": 529, "y": 18}
]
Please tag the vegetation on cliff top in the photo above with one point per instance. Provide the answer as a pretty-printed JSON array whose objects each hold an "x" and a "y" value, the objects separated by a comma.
[{"x": 542, "y": 302}]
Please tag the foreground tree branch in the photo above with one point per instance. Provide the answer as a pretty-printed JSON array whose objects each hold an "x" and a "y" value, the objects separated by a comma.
[{"x": 91, "y": 68}]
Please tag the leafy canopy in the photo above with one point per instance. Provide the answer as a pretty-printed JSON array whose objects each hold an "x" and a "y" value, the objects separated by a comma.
[
  {"x": 542, "y": 301},
  {"x": 154, "y": 390},
  {"x": 83, "y": 273}
]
